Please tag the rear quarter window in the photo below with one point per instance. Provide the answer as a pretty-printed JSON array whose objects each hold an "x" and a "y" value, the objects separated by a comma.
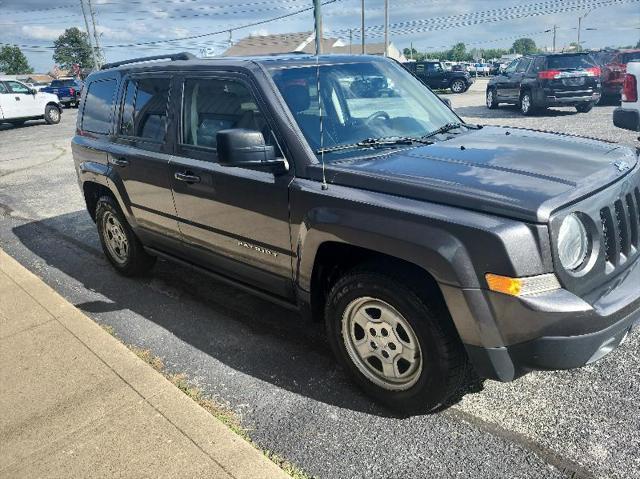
[{"x": 98, "y": 106}]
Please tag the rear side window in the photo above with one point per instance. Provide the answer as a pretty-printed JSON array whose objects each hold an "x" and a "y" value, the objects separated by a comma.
[
  {"x": 570, "y": 62},
  {"x": 98, "y": 106},
  {"x": 629, "y": 56},
  {"x": 144, "y": 111},
  {"x": 63, "y": 83}
]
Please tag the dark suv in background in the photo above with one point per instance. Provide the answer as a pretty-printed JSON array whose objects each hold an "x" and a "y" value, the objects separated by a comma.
[
  {"x": 432, "y": 249},
  {"x": 536, "y": 82},
  {"x": 436, "y": 76}
]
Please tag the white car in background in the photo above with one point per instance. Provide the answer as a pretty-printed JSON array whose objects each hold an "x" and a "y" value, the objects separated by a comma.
[
  {"x": 627, "y": 116},
  {"x": 19, "y": 103}
]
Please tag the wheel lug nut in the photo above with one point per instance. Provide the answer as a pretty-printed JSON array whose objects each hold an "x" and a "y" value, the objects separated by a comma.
[
  {"x": 374, "y": 345},
  {"x": 385, "y": 354},
  {"x": 372, "y": 332},
  {"x": 392, "y": 346},
  {"x": 384, "y": 332}
]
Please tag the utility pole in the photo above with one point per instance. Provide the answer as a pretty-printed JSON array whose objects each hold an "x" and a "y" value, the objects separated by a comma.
[
  {"x": 411, "y": 51},
  {"x": 317, "y": 13},
  {"x": 580, "y": 18},
  {"x": 86, "y": 25},
  {"x": 95, "y": 33},
  {"x": 555, "y": 28},
  {"x": 362, "y": 24},
  {"x": 386, "y": 28},
  {"x": 350, "y": 39},
  {"x": 230, "y": 41}
]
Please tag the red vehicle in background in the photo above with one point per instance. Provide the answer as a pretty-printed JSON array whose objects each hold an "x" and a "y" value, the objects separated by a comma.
[{"x": 613, "y": 66}]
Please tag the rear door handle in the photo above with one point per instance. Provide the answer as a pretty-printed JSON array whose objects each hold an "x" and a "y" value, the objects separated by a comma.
[
  {"x": 187, "y": 178},
  {"x": 119, "y": 162}
]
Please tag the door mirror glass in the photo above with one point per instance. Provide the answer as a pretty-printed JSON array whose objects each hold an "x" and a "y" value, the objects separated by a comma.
[{"x": 243, "y": 147}]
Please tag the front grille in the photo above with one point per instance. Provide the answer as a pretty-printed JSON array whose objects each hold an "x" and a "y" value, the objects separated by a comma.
[{"x": 621, "y": 229}]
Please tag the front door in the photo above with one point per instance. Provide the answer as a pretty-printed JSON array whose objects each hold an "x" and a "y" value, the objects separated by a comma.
[
  {"x": 140, "y": 157},
  {"x": 506, "y": 80},
  {"x": 24, "y": 103},
  {"x": 234, "y": 219},
  {"x": 436, "y": 75}
]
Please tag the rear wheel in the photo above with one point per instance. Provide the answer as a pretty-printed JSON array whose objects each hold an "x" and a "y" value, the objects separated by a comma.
[
  {"x": 52, "y": 115},
  {"x": 400, "y": 350},
  {"x": 526, "y": 104},
  {"x": 492, "y": 99},
  {"x": 584, "y": 107},
  {"x": 458, "y": 86},
  {"x": 119, "y": 243}
]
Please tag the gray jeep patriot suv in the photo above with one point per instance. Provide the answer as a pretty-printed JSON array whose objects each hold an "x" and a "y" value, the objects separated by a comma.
[{"x": 435, "y": 251}]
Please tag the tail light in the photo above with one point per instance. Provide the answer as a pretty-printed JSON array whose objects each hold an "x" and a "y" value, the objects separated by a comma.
[
  {"x": 548, "y": 74},
  {"x": 594, "y": 72},
  {"x": 630, "y": 88},
  {"x": 72, "y": 91}
]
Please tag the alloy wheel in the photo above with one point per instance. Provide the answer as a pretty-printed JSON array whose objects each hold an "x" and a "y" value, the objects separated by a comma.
[{"x": 115, "y": 238}]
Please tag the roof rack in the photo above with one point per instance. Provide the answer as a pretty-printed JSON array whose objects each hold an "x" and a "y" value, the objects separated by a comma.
[{"x": 172, "y": 57}]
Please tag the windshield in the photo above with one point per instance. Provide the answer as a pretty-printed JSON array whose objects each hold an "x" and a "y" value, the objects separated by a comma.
[
  {"x": 62, "y": 83},
  {"x": 373, "y": 99},
  {"x": 561, "y": 62}
]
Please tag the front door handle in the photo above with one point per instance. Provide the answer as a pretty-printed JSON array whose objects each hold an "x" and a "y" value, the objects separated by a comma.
[
  {"x": 119, "y": 162},
  {"x": 187, "y": 177},
  {"x": 17, "y": 98}
]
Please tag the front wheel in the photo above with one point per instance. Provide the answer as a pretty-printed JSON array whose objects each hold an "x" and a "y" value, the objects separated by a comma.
[
  {"x": 584, "y": 107},
  {"x": 52, "y": 115},
  {"x": 458, "y": 86},
  {"x": 492, "y": 99},
  {"x": 526, "y": 104},
  {"x": 401, "y": 351},
  {"x": 119, "y": 243}
]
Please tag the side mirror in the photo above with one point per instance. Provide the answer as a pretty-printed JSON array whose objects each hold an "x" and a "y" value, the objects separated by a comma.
[
  {"x": 33, "y": 91},
  {"x": 246, "y": 148}
]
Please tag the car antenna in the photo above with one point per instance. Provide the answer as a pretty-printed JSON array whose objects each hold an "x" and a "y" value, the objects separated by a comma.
[{"x": 325, "y": 186}]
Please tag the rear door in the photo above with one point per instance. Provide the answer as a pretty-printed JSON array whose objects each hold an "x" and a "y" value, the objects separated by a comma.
[
  {"x": 140, "y": 156},
  {"x": 234, "y": 220}
]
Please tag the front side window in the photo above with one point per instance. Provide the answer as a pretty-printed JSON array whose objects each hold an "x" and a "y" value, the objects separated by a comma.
[
  {"x": 17, "y": 87},
  {"x": 359, "y": 101},
  {"x": 523, "y": 65},
  {"x": 512, "y": 66},
  {"x": 144, "y": 110},
  {"x": 211, "y": 105},
  {"x": 3, "y": 89},
  {"x": 98, "y": 106}
]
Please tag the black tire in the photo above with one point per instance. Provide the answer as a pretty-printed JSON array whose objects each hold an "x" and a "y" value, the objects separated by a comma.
[
  {"x": 444, "y": 365},
  {"x": 458, "y": 86},
  {"x": 492, "y": 99},
  {"x": 584, "y": 107},
  {"x": 52, "y": 115},
  {"x": 526, "y": 103},
  {"x": 134, "y": 260}
]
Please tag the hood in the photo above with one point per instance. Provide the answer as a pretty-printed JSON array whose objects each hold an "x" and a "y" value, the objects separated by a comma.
[{"x": 511, "y": 172}]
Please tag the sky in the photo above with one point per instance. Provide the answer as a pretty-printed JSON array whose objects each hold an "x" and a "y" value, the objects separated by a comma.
[{"x": 34, "y": 24}]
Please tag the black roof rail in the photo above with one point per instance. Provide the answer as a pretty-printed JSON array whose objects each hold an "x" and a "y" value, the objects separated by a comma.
[{"x": 172, "y": 57}]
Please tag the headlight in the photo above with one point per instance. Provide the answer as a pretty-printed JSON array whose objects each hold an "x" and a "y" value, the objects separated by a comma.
[{"x": 573, "y": 242}]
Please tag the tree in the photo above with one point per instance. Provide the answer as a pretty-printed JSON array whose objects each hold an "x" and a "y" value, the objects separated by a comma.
[
  {"x": 13, "y": 61},
  {"x": 458, "y": 53},
  {"x": 523, "y": 46},
  {"x": 575, "y": 46},
  {"x": 638, "y": 44},
  {"x": 73, "y": 47}
]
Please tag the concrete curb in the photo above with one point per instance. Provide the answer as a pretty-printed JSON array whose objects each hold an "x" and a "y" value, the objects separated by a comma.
[{"x": 230, "y": 452}]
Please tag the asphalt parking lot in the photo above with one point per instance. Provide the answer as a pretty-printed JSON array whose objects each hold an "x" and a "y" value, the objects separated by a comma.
[{"x": 277, "y": 372}]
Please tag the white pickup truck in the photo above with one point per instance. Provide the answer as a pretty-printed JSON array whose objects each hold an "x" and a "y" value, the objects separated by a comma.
[
  {"x": 627, "y": 116},
  {"x": 19, "y": 103}
]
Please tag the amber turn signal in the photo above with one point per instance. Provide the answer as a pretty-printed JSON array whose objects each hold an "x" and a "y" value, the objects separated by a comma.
[{"x": 522, "y": 286}]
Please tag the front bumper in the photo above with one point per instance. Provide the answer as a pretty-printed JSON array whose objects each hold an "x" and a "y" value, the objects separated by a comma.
[
  {"x": 627, "y": 119},
  {"x": 555, "y": 330}
]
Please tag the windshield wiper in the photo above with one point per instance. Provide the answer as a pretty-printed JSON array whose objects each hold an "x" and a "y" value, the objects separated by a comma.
[
  {"x": 443, "y": 129},
  {"x": 376, "y": 143}
]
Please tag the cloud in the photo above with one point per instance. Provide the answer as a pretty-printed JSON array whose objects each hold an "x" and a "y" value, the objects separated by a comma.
[
  {"x": 40, "y": 32},
  {"x": 113, "y": 34},
  {"x": 261, "y": 32}
]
